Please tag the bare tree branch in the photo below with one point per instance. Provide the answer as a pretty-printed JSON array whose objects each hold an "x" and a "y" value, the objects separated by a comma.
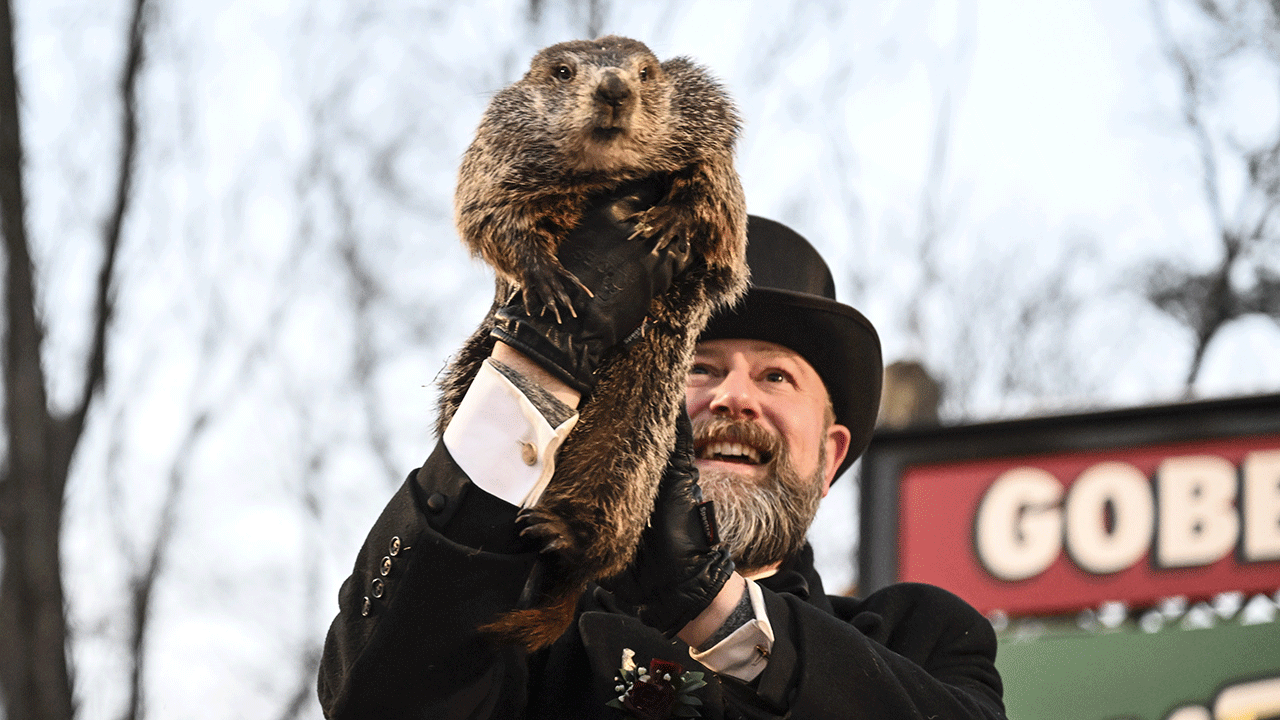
[
  {"x": 304, "y": 694},
  {"x": 364, "y": 290},
  {"x": 104, "y": 297},
  {"x": 309, "y": 657},
  {"x": 932, "y": 225},
  {"x": 1206, "y": 302},
  {"x": 143, "y": 583},
  {"x": 1191, "y": 114}
]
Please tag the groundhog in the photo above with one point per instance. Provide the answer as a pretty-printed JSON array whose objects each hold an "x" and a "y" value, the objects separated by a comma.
[{"x": 587, "y": 117}]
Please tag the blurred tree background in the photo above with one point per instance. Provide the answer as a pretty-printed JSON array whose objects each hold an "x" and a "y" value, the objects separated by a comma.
[{"x": 231, "y": 275}]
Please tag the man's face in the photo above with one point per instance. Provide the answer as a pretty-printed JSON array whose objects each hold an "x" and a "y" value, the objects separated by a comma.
[{"x": 766, "y": 449}]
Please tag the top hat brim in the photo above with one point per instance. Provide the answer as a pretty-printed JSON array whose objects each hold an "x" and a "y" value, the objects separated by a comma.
[{"x": 837, "y": 340}]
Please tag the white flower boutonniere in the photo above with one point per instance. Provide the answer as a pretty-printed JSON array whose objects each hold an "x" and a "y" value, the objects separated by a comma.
[{"x": 660, "y": 690}]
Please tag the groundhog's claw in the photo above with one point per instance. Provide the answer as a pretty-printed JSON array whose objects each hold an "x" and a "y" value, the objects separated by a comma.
[
  {"x": 547, "y": 289},
  {"x": 548, "y": 529},
  {"x": 665, "y": 223}
]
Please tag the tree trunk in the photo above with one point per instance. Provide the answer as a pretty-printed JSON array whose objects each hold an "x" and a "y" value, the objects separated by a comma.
[{"x": 34, "y": 677}]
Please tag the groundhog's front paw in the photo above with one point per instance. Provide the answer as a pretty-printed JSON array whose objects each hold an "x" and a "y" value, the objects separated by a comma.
[
  {"x": 546, "y": 288},
  {"x": 551, "y": 533},
  {"x": 668, "y": 223}
]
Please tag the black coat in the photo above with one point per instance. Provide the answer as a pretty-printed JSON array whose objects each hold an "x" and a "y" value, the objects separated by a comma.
[{"x": 443, "y": 559}]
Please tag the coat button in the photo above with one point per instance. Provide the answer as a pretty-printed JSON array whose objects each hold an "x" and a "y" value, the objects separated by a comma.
[
  {"x": 366, "y": 607},
  {"x": 436, "y": 502},
  {"x": 385, "y": 569},
  {"x": 395, "y": 547},
  {"x": 377, "y": 587}
]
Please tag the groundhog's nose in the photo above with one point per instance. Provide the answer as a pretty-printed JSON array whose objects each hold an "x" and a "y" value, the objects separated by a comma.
[{"x": 612, "y": 90}]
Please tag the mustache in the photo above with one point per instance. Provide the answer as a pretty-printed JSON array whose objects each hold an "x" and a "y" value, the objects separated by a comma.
[
  {"x": 762, "y": 521},
  {"x": 744, "y": 432}
]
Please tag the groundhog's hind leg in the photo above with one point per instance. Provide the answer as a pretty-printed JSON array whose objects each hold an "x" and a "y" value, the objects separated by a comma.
[
  {"x": 537, "y": 627},
  {"x": 550, "y": 595},
  {"x": 550, "y": 533}
]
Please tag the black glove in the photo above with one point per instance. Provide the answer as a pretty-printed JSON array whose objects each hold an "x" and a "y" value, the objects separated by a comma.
[
  {"x": 681, "y": 565},
  {"x": 623, "y": 275}
]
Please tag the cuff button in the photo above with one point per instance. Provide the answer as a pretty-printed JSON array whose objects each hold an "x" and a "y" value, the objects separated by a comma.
[
  {"x": 528, "y": 453},
  {"x": 436, "y": 502},
  {"x": 367, "y": 607},
  {"x": 377, "y": 587},
  {"x": 385, "y": 568},
  {"x": 395, "y": 547}
]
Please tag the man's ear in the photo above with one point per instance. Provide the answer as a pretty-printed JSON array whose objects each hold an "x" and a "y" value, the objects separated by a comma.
[{"x": 838, "y": 438}]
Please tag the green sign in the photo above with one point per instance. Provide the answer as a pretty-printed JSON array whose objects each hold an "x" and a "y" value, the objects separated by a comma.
[{"x": 1205, "y": 669}]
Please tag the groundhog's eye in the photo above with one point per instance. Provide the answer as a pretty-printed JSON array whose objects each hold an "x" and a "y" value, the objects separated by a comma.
[
  {"x": 644, "y": 74},
  {"x": 564, "y": 72}
]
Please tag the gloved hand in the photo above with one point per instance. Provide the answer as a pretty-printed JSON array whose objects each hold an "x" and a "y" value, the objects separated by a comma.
[
  {"x": 623, "y": 276},
  {"x": 681, "y": 565}
]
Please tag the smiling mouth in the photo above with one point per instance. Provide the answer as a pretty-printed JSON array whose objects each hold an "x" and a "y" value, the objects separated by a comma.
[{"x": 732, "y": 452}]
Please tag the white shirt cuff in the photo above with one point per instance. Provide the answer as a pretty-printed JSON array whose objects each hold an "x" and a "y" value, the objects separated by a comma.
[
  {"x": 745, "y": 653},
  {"x": 500, "y": 440}
]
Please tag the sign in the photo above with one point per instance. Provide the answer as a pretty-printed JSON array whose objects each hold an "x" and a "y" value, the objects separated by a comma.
[
  {"x": 1227, "y": 672},
  {"x": 1052, "y": 515},
  {"x": 1047, "y": 518},
  {"x": 1056, "y": 533}
]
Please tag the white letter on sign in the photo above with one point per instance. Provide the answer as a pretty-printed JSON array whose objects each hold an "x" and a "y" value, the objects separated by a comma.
[
  {"x": 1093, "y": 546},
  {"x": 1019, "y": 526},
  {"x": 1198, "y": 521},
  {"x": 1261, "y": 505}
]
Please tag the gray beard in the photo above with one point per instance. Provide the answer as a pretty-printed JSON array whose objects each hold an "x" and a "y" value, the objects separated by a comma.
[{"x": 764, "y": 521}]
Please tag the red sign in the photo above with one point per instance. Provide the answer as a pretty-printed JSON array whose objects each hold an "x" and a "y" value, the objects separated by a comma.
[{"x": 1058, "y": 533}]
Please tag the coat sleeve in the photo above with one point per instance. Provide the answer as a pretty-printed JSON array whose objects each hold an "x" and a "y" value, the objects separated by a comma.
[
  {"x": 440, "y": 561},
  {"x": 908, "y": 651}
]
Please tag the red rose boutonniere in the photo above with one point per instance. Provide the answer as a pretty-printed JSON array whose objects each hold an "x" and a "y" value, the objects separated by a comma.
[{"x": 656, "y": 692}]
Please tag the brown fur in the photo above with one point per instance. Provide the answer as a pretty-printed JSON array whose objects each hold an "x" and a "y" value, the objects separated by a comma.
[{"x": 537, "y": 158}]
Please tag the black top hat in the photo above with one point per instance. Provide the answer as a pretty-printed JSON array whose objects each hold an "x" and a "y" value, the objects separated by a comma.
[{"x": 792, "y": 302}]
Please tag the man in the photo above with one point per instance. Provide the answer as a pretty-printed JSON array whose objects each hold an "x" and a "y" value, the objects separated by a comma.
[{"x": 782, "y": 397}]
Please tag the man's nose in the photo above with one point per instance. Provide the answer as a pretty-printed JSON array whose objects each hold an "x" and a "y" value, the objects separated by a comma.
[{"x": 735, "y": 397}]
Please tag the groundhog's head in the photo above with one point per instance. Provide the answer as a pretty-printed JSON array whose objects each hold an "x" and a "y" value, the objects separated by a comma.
[{"x": 605, "y": 103}]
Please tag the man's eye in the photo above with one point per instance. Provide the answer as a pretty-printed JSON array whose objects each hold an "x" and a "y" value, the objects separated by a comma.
[
  {"x": 699, "y": 370},
  {"x": 775, "y": 376}
]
